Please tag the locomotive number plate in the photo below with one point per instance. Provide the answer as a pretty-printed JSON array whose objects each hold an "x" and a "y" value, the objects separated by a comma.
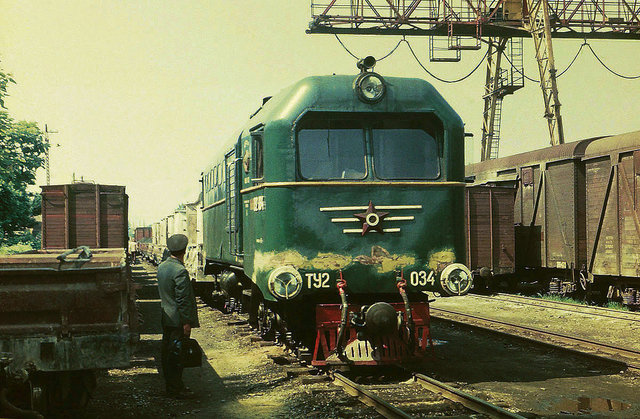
[
  {"x": 421, "y": 278},
  {"x": 317, "y": 280}
]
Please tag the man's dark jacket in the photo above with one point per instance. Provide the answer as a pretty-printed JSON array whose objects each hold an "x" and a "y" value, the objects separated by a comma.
[{"x": 176, "y": 292}]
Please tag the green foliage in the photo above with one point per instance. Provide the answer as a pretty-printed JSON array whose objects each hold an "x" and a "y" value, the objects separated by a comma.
[
  {"x": 22, "y": 152},
  {"x": 16, "y": 248},
  {"x": 5, "y": 79},
  {"x": 614, "y": 305},
  {"x": 562, "y": 299}
]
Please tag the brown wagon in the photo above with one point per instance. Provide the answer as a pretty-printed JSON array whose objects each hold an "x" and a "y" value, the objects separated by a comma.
[
  {"x": 490, "y": 233},
  {"x": 62, "y": 318},
  {"x": 612, "y": 167},
  {"x": 84, "y": 214},
  {"x": 549, "y": 211}
]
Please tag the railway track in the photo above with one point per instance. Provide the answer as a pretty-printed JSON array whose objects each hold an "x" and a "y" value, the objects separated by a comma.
[
  {"x": 628, "y": 357},
  {"x": 559, "y": 305},
  {"x": 409, "y": 400}
]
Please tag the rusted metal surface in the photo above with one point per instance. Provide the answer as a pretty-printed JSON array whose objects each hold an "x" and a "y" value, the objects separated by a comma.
[
  {"x": 612, "y": 196},
  {"x": 550, "y": 210},
  {"x": 66, "y": 316},
  {"x": 490, "y": 232},
  {"x": 142, "y": 233},
  {"x": 83, "y": 214},
  {"x": 502, "y": 169}
]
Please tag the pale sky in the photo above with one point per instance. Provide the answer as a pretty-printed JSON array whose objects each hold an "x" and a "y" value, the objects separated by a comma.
[{"x": 144, "y": 93}]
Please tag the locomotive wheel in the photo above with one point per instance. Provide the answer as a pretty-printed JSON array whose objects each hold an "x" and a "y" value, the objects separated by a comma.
[
  {"x": 266, "y": 322},
  {"x": 584, "y": 284},
  {"x": 254, "y": 303}
]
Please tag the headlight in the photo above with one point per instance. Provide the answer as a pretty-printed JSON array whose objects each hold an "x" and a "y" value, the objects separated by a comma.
[
  {"x": 285, "y": 282},
  {"x": 370, "y": 87},
  {"x": 456, "y": 279}
]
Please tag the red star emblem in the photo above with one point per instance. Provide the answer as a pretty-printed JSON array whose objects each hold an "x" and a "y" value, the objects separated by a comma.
[{"x": 371, "y": 220}]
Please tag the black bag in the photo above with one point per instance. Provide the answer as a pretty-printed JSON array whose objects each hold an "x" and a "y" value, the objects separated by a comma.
[{"x": 188, "y": 352}]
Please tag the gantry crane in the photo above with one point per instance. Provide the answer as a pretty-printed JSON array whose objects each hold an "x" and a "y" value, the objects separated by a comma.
[{"x": 501, "y": 24}]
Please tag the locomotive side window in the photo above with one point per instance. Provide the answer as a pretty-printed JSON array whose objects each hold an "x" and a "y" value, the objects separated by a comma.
[
  {"x": 258, "y": 167},
  {"x": 400, "y": 153},
  {"x": 332, "y": 153}
]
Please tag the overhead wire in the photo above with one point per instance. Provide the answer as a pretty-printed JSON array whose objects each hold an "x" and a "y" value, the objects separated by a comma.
[
  {"x": 358, "y": 58},
  {"x": 575, "y": 57},
  {"x": 439, "y": 78},
  {"x": 609, "y": 69},
  {"x": 404, "y": 40}
]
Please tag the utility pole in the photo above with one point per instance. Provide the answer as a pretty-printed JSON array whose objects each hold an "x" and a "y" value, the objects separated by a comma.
[{"x": 46, "y": 156}]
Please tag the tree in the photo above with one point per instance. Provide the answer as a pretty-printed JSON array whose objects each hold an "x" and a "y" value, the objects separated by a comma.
[{"x": 22, "y": 152}]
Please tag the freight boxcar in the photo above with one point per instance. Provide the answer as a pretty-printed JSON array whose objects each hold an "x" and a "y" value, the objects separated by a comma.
[
  {"x": 62, "y": 317},
  {"x": 84, "y": 214},
  {"x": 576, "y": 222},
  {"x": 612, "y": 167},
  {"x": 549, "y": 210},
  {"x": 142, "y": 234},
  {"x": 490, "y": 233}
]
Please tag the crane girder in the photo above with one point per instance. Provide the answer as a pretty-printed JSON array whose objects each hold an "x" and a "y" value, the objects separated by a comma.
[{"x": 602, "y": 19}]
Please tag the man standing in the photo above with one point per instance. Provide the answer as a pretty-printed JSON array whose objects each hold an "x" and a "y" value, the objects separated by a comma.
[{"x": 179, "y": 312}]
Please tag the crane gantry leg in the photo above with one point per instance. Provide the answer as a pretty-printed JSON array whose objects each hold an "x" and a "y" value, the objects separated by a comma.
[
  {"x": 499, "y": 83},
  {"x": 538, "y": 24},
  {"x": 492, "y": 99}
]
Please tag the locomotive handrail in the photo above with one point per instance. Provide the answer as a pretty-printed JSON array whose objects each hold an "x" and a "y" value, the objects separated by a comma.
[{"x": 351, "y": 183}]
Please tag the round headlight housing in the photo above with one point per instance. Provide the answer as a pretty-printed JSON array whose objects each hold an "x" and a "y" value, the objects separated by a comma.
[
  {"x": 285, "y": 282},
  {"x": 456, "y": 279},
  {"x": 370, "y": 87}
]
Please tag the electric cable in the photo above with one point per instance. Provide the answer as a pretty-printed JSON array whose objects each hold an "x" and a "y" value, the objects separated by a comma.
[
  {"x": 609, "y": 69},
  {"x": 377, "y": 59},
  {"x": 518, "y": 70},
  {"x": 574, "y": 59},
  {"x": 441, "y": 79}
]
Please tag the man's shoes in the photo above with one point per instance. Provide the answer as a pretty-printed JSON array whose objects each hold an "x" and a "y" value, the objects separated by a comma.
[{"x": 183, "y": 394}]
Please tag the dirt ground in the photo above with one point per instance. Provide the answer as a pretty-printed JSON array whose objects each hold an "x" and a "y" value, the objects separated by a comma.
[
  {"x": 239, "y": 380},
  {"x": 536, "y": 379},
  {"x": 618, "y": 332}
]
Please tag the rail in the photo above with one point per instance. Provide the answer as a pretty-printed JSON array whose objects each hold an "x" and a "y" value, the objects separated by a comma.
[
  {"x": 629, "y": 357},
  {"x": 389, "y": 411},
  {"x": 561, "y": 305},
  {"x": 365, "y": 396},
  {"x": 470, "y": 402}
]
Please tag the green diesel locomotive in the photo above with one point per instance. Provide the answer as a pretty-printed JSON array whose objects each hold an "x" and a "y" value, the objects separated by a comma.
[{"x": 337, "y": 205}]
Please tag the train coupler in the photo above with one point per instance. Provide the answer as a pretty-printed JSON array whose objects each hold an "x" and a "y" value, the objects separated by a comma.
[{"x": 362, "y": 345}]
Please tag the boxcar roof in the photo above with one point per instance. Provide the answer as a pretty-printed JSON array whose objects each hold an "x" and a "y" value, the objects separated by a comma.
[
  {"x": 568, "y": 151},
  {"x": 615, "y": 144}
]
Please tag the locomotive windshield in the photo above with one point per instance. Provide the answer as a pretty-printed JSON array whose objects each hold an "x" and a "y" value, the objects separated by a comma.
[
  {"x": 404, "y": 154},
  {"x": 332, "y": 153},
  {"x": 395, "y": 147}
]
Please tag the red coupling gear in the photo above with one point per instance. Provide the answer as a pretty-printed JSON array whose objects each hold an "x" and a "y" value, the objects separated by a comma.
[
  {"x": 341, "y": 283},
  {"x": 402, "y": 283}
]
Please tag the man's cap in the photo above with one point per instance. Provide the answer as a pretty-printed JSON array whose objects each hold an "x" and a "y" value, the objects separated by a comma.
[{"x": 177, "y": 242}]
